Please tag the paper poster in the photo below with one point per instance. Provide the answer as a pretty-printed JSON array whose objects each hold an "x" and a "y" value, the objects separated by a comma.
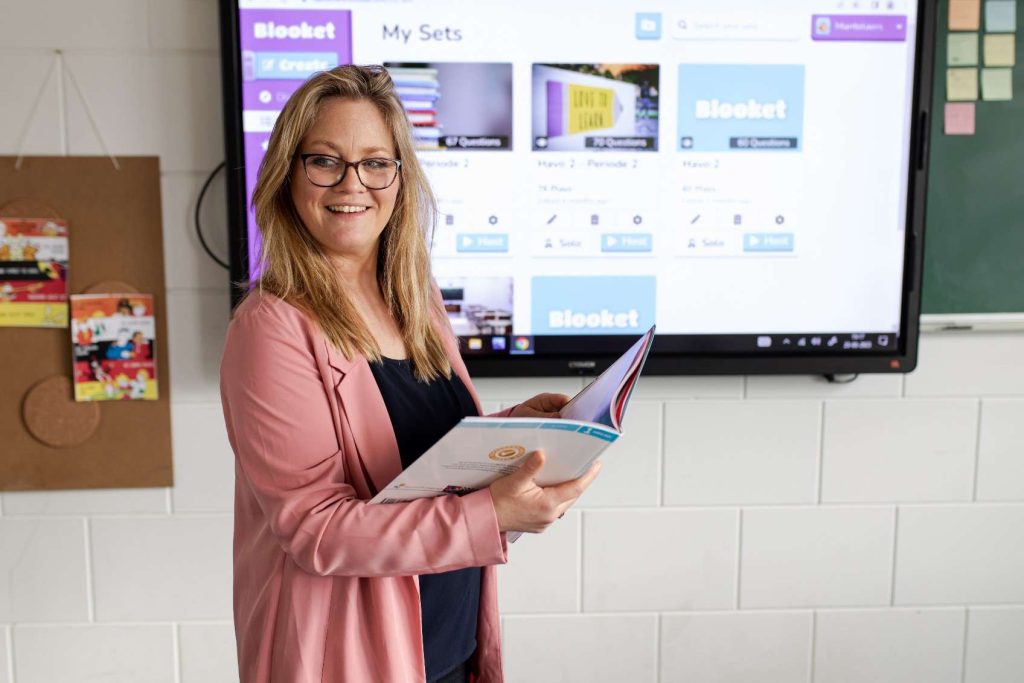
[
  {"x": 1000, "y": 49},
  {"x": 113, "y": 336},
  {"x": 962, "y": 49},
  {"x": 33, "y": 272},
  {"x": 964, "y": 15},
  {"x": 1001, "y": 16},
  {"x": 997, "y": 84},
  {"x": 961, "y": 84},
  {"x": 959, "y": 118}
]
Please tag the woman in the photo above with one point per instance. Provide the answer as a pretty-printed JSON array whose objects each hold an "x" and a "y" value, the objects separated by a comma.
[{"x": 339, "y": 369}]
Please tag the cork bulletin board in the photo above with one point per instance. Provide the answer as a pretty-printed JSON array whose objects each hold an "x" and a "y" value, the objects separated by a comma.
[{"x": 47, "y": 441}]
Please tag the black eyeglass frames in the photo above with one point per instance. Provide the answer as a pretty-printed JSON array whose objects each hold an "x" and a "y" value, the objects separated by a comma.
[{"x": 324, "y": 170}]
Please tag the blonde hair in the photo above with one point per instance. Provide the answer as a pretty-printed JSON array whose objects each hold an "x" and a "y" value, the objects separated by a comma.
[{"x": 294, "y": 267}]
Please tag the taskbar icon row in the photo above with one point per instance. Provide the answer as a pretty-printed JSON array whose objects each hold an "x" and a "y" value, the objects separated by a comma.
[
  {"x": 859, "y": 341},
  {"x": 498, "y": 344}
]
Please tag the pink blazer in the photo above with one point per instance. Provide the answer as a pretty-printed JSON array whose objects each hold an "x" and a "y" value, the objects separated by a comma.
[{"x": 325, "y": 586}]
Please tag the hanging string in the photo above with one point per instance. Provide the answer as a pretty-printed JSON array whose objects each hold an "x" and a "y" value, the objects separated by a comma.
[
  {"x": 32, "y": 115},
  {"x": 64, "y": 68},
  {"x": 88, "y": 112}
]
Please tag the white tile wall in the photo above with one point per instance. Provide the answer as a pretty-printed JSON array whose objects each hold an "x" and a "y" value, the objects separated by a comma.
[
  {"x": 174, "y": 105},
  {"x": 890, "y": 646},
  {"x": 631, "y": 467},
  {"x": 137, "y": 653},
  {"x": 752, "y": 452},
  {"x": 593, "y": 648},
  {"x": 204, "y": 466},
  {"x": 25, "y": 76},
  {"x": 43, "y": 570},
  {"x": 816, "y": 557},
  {"x": 207, "y": 653},
  {"x": 705, "y": 647},
  {"x": 975, "y": 364},
  {"x": 197, "y": 323},
  {"x": 965, "y": 554},
  {"x": 86, "y": 502},
  {"x": 891, "y": 450},
  {"x": 52, "y": 24},
  {"x": 675, "y": 388},
  {"x": 543, "y": 570},
  {"x": 703, "y": 528},
  {"x": 803, "y": 386},
  {"x": 162, "y": 569},
  {"x": 187, "y": 265},
  {"x": 183, "y": 25},
  {"x": 659, "y": 560},
  {"x": 6, "y": 675},
  {"x": 1001, "y": 450},
  {"x": 994, "y": 652}
]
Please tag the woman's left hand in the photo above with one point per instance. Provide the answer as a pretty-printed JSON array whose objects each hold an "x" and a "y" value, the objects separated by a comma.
[{"x": 541, "y": 405}]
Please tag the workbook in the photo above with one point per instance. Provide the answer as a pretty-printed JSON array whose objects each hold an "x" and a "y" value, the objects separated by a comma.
[{"x": 479, "y": 450}]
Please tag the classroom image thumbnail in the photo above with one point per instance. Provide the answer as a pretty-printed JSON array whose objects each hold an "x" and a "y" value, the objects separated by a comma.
[
  {"x": 456, "y": 105},
  {"x": 479, "y": 310},
  {"x": 595, "y": 107}
]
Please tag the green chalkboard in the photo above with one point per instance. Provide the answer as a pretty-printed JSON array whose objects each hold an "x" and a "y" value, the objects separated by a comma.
[{"x": 974, "y": 226}]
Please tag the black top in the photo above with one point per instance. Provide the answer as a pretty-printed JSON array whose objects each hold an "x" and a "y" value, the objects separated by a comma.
[{"x": 421, "y": 413}]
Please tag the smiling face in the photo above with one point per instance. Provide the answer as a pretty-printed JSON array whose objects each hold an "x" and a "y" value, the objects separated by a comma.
[{"x": 347, "y": 219}]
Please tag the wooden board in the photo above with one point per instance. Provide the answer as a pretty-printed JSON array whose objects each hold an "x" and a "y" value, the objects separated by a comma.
[{"x": 114, "y": 220}]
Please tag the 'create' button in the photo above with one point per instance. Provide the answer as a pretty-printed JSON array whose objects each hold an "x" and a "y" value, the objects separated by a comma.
[
  {"x": 768, "y": 241},
  {"x": 479, "y": 243},
  {"x": 293, "y": 65},
  {"x": 626, "y": 242}
]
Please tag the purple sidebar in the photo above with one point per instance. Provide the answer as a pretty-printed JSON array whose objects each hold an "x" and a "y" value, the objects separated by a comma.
[
  {"x": 858, "y": 27},
  {"x": 279, "y": 34},
  {"x": 554, "y": 109}
]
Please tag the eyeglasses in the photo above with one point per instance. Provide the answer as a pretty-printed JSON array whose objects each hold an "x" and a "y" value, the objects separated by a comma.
[{"x": 324, "y": 170}]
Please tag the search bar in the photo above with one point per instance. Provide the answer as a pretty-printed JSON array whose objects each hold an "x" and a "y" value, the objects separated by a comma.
[{"x": 735, "y": 26}]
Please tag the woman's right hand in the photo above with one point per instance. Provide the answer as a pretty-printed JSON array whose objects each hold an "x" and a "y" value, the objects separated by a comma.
[{"x": 522, "y": 505}]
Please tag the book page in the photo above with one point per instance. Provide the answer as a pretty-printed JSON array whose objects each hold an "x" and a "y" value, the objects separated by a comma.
[{"x": 594, "y": 403}]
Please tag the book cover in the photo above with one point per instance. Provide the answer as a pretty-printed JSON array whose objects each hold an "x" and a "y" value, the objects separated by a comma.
[
  {"x": 33, "y": 272},
  {"x": 114, "y": 347},
  {"x": 479, "y": 450}
]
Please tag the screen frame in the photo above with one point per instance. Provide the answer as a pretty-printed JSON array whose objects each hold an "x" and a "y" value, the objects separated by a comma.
[{"x": 663, "y": 361}]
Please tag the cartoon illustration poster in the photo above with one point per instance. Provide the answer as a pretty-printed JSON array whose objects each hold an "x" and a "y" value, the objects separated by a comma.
[
  {"x": 33, "y": 272},
  {"x": 114, "y": 340}
]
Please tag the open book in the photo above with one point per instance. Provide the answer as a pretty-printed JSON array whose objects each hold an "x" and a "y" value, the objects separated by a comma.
[{"x": 479, "y": 450}]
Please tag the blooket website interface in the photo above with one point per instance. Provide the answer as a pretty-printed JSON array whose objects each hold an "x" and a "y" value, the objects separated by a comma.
[{"x": 735, "y": 169}]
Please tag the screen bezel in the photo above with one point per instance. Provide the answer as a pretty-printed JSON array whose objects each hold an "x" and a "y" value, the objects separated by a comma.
[{"x": 660, "y": 361}]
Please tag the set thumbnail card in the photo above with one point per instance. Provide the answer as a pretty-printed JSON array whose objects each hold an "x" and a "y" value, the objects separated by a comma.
[
  {"x": 459, "y": 105},
  {"x": 33, "y": 272},
  {"x": 595, "y": 107},
  {"x": 479, "y": 307},
  {"x": 740, "y": 107},
  {"x": 114, "y": 347}
]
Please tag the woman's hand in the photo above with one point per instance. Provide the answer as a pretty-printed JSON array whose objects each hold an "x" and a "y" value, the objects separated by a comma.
[
  {"x": 522, "y": 505},
  {"x": 541, "y": 405}
]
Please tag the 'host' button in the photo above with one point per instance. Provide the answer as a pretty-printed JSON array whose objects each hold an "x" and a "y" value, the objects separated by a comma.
[
  {"x": 481, "y": 243},
  {"x": 768, "y": 241},
  {"x": 626, "y": 242}
]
